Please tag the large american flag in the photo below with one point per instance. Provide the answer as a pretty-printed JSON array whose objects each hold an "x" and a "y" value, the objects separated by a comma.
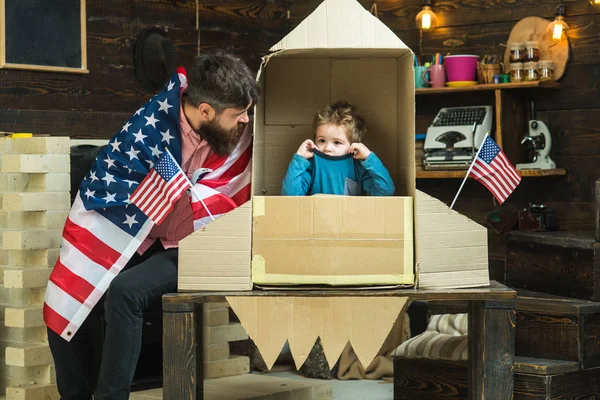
[
  {"x": 104, "y": 228},
  {"x": 493, "y": 170}
]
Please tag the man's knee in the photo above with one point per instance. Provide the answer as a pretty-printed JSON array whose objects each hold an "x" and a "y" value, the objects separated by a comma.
[{"x": 121, "y": 292}]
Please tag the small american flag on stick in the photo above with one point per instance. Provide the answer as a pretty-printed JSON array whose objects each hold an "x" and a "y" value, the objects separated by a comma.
[
  {"x": 492, "y": 169},
  {"x": 161, "y": 188}
]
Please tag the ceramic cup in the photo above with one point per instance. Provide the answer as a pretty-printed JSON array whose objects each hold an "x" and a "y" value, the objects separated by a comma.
[
  {"x": 437, "y": 74},
  {"x": 420, "y": 73}
]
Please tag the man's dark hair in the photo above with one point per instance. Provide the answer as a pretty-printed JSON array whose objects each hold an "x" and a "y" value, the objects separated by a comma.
[{"x": 221, "y": 80}]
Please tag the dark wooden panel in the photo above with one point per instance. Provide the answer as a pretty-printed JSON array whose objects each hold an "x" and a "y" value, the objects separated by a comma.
[
  {"x": 544, "y": 303},
  {"x": 557, "y": 238},
  {"x": 579, "y": 89},
  {"x": 234, "y": 13},
  {"x": 552, "y": 269},
  {"x": 547, "y": 336},
  {"x": 63, "y": 123},
  {"x": 182, "y": 356},
  {"x": 400, "y": 15},
  {"x": 531, "y": 387},
  {"x": 422, "y": 379},
  {"x": 590, "y": 340},
  {"x": 574, "y": 132},
  {"x": 492, "y": 327},
  {"x": 576, "y": 385}
]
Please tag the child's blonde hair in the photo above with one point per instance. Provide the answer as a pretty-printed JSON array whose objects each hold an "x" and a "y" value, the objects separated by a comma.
[{"x": 343, "y": 114}]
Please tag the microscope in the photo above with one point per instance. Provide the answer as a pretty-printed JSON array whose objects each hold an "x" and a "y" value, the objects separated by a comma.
[{"x": 539, "y": 137}]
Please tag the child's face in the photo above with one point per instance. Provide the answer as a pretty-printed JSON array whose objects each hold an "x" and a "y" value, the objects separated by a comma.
[{"x": 332, "y": 140}]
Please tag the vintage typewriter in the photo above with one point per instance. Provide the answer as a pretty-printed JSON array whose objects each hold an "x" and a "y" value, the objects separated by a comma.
[{"x": 455, "y": 135}]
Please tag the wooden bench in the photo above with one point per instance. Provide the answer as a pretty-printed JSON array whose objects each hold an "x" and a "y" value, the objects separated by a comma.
[{"x": 491, "y": 333}]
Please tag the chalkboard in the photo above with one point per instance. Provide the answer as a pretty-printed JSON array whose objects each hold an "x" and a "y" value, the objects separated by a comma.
[{"x": 44, "y": 35}]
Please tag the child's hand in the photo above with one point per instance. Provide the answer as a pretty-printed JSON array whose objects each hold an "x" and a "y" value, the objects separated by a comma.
[
  {"x": 359, "y": 150},
  {"x": 305, "y": 149}
]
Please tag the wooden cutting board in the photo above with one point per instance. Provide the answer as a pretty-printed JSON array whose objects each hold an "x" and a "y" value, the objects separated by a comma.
[{"x": 534, "y": 28}]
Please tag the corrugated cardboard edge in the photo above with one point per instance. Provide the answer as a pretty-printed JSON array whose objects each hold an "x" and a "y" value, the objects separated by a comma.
[
  {"x": 443, "y": 236},
  {"x": 365, "y": 322},
  {"x": 209, "y": 250}
]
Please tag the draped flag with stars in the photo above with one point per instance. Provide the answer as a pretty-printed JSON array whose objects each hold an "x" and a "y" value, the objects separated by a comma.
[{"x": 104, "y": 228}]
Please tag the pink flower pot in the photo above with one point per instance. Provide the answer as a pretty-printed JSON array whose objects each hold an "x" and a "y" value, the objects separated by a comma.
[{"x": 460, "y": 68}]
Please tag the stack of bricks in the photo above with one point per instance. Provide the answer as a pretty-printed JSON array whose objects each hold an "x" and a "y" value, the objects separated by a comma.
[
  {"x": 34, "y": 204},
  {"x": 218, "y": 332}
]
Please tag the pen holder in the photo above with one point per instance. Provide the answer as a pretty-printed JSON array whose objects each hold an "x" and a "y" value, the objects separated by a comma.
[{"x": 486, "y": 72}]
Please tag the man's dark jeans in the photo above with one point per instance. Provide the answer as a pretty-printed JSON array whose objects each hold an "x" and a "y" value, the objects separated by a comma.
[{"x": 138, "y": 287}]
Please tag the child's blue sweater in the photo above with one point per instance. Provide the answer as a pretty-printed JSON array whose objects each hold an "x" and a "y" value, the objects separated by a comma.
[{"x": 341, "y": 175}]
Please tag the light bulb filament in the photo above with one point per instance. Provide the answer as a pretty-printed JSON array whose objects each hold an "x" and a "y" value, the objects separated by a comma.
[
  {"x": 426, "y": 21},
  {"x": 557, "y": 31}
]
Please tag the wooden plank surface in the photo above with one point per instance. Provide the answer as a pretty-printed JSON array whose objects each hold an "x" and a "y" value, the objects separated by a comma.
[
  {"x": 540, "y": 366},
  {"x": 531, "y": 173},
  {"x": 489, "y": 86},
  {"x": 496, "y": 291}
]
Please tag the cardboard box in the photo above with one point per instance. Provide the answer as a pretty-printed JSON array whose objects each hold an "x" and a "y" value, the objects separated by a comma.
[
  {"x": 336, "y": 240},
  {"x": 340, "y": 51}
]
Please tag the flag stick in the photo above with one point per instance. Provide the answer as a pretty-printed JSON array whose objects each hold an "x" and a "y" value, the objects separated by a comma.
[
  {"x": 192, "y": 188},
  {"x": 469, "y": 170}
]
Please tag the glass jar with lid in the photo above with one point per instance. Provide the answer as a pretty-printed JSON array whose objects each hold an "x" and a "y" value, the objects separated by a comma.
[
  {"x": 517, "y": 52},
  {"x": 546, "y": 70},
  {"x": 516, "y": 72},
  {"x": 531, "y": 71},
  {"x": 532, "y": 51}
]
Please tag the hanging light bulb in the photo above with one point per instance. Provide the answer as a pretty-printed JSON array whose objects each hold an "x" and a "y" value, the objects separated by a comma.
[
  {"x": 557, "y": 29},
  {"x": 426, "y": 19},
  {"x": 595, "y": 2}
]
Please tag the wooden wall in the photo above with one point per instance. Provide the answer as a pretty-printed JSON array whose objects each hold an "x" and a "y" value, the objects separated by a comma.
[{"x": 97, "y": 104}]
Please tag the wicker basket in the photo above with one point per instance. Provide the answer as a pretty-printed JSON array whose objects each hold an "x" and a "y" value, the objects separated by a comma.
[{"x": 486, "y": 72}]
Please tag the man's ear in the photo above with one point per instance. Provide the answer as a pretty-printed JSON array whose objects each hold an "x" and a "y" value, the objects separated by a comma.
[{"x": 206, "y": 111}]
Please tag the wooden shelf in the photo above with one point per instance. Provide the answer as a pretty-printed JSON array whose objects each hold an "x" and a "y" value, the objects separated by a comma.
[
  {"x": 461, "y": 174},
  {"x": 489, "y": 86}
]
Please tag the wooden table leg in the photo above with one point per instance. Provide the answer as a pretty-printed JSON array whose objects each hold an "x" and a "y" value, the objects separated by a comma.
[
  {"x": 491, "y": 349},
  {"x": 182, "y": 355}
]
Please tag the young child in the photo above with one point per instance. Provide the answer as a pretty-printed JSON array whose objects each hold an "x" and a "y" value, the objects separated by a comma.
[{"x": 337, "y": 162}]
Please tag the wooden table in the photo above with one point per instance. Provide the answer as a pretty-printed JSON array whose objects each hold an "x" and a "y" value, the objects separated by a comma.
[{"x": 491, "y": 335}]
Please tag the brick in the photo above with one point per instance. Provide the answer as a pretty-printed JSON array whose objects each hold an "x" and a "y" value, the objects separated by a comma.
[
  {"x": 225, "y": 333},
  {"x": 215, "y": 306},
  {"x": 236, "y": 365},
  {"x": 215, "y": 352},
  {"x": 32, "y": 258},
  {"x": 37, "y": 335},
  {"x": 216, "y": 317},
  {"x": 38, "y": 145},
  {"x": 42, "y": 374},
  {"x": 36, "y": 201},
  {"x": 28, "y": 355},
  {"x": 27, "y": 296},
  {"x": 24, "y": 316},
  {"x": 36, "y": 163},
  {"x": 32, "y": 392},
  {"x": 54, "y": 182},
  {"x": 26, "y": 277},
  {"x": 33, "y": 219},
  {"x": 33, "y": 239}
]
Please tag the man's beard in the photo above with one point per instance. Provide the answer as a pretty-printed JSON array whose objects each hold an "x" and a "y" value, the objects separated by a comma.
[{"x": 222, "y": 141}]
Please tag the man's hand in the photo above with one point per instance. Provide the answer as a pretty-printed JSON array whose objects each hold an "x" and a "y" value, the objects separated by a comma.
[
  {"x": 305, "y": 149},
  {"x": 359, "y": 150}
]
